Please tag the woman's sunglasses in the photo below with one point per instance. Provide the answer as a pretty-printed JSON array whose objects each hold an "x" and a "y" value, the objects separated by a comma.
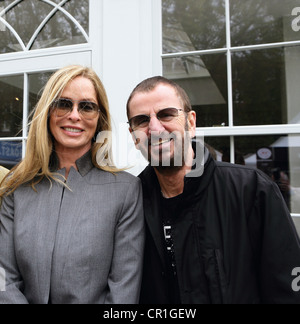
[{"x": 63, "y": 106}]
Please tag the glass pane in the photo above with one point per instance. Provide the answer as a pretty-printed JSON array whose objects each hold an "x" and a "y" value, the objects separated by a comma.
[
  {"x": 5, "y": 3},
  {"x": 59, "y": 31},
  {"x": 26, "y": 17},
  {"x": 8, "y": 42},
  {"x": 190, "y": 25},
  {"x": 36, "y": 83},
  {"x": 204, "y": 78},
  {"x": 11, "y": 106},
  {"x": 10, "y": 153},
  {"x": 261, "y": 21},
  {"x": 219, "y": 148},
  {"x": 266, "y": 86},
  {"x": 277, "y": 156},
  {"x": 80, "y": 12}
]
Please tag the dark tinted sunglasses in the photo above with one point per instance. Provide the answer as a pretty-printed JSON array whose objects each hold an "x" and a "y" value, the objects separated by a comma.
[
  {"x": 164, "y": 116},
  {"x": 63, "y": 106}
]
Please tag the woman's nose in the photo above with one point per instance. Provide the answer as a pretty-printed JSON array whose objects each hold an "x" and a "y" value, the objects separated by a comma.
[{"x": 74, "y": 115}]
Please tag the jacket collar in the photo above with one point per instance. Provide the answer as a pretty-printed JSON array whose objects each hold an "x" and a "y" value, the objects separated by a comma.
[
  {"x": 84, "y": 164},
  {"x": 193, "y": 189}
]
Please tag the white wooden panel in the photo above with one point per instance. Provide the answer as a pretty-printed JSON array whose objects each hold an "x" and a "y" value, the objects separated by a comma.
[
  {"x": 130, "y": 53},
  {"x": 43, "y": 62}
]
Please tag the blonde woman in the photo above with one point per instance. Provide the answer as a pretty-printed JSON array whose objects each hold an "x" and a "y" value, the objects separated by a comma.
[{"x": 71, "y": 223}]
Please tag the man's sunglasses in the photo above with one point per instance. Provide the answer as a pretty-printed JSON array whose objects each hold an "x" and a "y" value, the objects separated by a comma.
[
  {"x": 164, "y": 116},
  {"x": 63, "y": 106}
]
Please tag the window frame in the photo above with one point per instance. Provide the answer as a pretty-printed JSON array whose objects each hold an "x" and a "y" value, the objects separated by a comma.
[
  {"x": 28, "y": 62},
  {"x": 232, "y": 131}
]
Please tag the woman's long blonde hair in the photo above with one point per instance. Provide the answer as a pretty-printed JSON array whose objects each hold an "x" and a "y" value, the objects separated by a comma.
[{"x": 35, "y": 166}]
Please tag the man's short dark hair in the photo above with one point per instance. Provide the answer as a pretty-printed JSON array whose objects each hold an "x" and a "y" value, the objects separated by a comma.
[{"x": 150, "y": 84}]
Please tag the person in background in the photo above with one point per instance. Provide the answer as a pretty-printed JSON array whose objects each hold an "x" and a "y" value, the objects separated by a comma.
[
  {"x": 216, "y": 233},
  {"x": 72, "y": 229}
]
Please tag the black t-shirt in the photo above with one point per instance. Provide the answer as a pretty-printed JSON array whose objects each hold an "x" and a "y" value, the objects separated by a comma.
[{"x": 169, "y": 207}]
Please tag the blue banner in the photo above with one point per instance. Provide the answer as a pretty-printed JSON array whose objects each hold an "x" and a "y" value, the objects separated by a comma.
[{"x": 11, "y": 151}]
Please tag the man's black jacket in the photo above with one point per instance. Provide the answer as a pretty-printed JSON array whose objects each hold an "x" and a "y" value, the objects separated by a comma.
[{"x": 234, "y": 239}]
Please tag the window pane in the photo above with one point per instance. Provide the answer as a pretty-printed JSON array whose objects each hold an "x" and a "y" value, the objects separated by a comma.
[
  {"x": 80, "y": 12},
  {"x": 36, "y": 83},
  {"x": 10, "y": 153},
  {"x": 11, "y": 106},
  {"x": 8, "y": 42},
  {"x": 26, "y": 17},
  {"x": 261, "y": 21},
  {"x": 277, "y": 156},
  {"x": 204, "y": 78},
  {"x": 266, "y": 86},
  {"x": 56, "y": 1},
  {"x": 59, "y": 31},
  {"x": 193, "y": 25},
  {"x": 219, "y": 148}
]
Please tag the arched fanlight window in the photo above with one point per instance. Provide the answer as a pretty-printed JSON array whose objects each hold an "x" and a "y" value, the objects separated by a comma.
[{"x": 34, "y": 24}]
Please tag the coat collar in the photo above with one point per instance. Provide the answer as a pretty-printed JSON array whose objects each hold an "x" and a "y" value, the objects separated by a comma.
[{"x": 84, "y": 164}]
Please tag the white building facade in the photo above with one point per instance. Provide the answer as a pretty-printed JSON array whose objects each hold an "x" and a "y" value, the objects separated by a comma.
[{"x": 238, "y": 60}]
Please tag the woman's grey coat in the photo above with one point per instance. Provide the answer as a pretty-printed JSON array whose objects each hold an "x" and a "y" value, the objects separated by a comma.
[{"x": 83, "y": 245}]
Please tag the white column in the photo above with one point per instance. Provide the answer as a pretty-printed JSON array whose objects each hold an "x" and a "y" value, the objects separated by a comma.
[{"x": 131, "y": 52}]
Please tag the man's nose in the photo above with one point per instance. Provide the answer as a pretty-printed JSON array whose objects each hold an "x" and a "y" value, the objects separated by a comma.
[{"x": 155, "y": 125}]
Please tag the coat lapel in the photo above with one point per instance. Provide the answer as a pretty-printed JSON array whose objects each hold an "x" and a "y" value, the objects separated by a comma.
[{"x": 46, "y": 234}]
